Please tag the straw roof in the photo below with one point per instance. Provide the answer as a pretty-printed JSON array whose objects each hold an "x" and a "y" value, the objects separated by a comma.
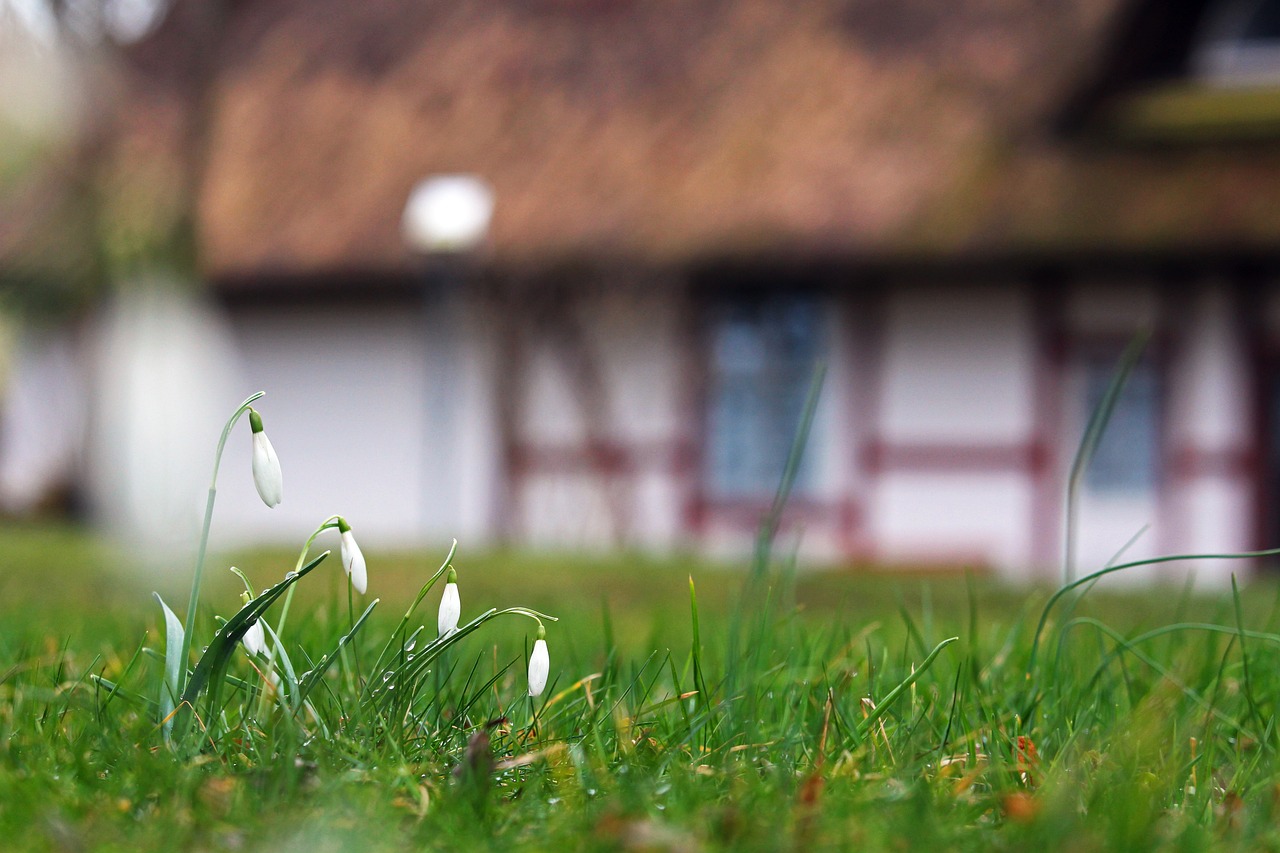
[{"x": 667, "y": 132}]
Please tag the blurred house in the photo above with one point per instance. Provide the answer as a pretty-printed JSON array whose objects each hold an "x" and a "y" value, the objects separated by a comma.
[{"x": 964, "y": 210}]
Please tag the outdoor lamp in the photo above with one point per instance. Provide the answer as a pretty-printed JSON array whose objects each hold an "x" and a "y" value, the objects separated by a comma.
[{"x": 447, "y": 214}]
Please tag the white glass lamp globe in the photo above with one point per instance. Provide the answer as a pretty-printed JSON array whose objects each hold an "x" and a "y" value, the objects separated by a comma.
[{"x": 447, "y": 213}]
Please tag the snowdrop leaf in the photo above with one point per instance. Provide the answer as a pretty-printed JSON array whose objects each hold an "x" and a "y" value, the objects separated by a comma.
[
  {"x": 174, "y": 638},
  {"x": 212, "y": 666}
]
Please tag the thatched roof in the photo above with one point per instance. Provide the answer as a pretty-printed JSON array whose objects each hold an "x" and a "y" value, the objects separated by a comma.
[
  {"x": 654, "y": 130},
  {"x": 672, "y": 131}
]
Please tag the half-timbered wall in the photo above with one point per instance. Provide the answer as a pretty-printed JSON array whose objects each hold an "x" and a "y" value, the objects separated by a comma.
[{"x": 945, "y": 432}]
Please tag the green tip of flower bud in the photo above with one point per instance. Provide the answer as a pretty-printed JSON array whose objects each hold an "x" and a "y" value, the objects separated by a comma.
[
  {"x": 255, "y": 421},
  {"x": 244, "y": 596},
  {"x": 343, "y": 527},
  {"x": 542, "y": 631},
  {"x": 452, "y": 577}
]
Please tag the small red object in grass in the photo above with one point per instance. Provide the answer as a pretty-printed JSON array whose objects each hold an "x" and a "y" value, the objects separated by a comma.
[{"x": 1025, "y": 759}]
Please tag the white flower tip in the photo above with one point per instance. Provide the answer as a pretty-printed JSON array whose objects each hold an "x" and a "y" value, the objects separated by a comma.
[
  {"x": 539, "y": 668},
  {"x": 266, "y": 471},
  {"x": 353, "y": 563},
  {"x": 450, "y": 610},
  {"x": 254, "y": 639}
]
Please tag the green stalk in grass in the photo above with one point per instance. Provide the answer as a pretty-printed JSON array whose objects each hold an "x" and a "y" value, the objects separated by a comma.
[
  {"x": 211, "y": 670},
  {"x": 329, "y": 523},
  {"x": 1151, "y": 561},
  {"x": 1094, "y": 430},
  {"x": 193, "y": 600},
  {"x": 749, "y": 646}
]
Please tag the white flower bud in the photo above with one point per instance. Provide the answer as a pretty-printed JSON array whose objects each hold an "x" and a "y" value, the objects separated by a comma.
[
  {"x": 450, "y": 606},
  {"x": 266, "y": 465},
  {"x": 352, "y": 559},
  {"x": 255, "y": 640},
  {"x": 539, "y": 665}
]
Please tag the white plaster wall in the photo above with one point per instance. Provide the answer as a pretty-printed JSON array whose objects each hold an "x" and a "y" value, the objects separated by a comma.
[
  {"x": 1118, "y": 529},
  {"x": 347, "y": 412},
  {"x": 549, "y": 412},
  {"x": 1215, "y": 513},
  {"x": 635, "y": 337},
  {"x": 1211, "y": 397},
  {"x": 958, "y": 366},
  {"x": 1211, "y": 405},
  {"x": 159, "y": 365},
  {"x": 42, "y": 418},
  {"x": 659, "y": 498},
  {"x": 639, "y": 334},
  {"x": 949, "y": 517},
  {"x": 569, "y": 510}
]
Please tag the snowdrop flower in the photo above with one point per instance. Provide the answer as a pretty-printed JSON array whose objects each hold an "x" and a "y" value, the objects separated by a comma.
[
  {"x": 352, "y": 559},
  {"x": 254, "y": 639},
  {"x": 539, "y": 663},
  {"x": 450, "y": 606},
  {"x": 266, "y": 465}
]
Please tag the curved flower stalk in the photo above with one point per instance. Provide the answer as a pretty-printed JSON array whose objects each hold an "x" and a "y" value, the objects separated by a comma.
[
  {"x": 266, "y": 465},
  {"x": 405, "y": 679},
  {"x": 450, "y": 606},
  {"x": 194, "y": 598},
  {"x": 352, "y": 557},
  {"x": 352, "y": 561},
  {"x": 539, "y": 663}
]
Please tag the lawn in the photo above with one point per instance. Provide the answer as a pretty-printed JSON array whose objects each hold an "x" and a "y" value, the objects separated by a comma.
[{"x": 775, "y": 713}]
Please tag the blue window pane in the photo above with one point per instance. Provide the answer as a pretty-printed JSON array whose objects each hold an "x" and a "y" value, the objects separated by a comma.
[
  {"x": 762, "y": 355},
  {"x": 1127, "y": 459}
]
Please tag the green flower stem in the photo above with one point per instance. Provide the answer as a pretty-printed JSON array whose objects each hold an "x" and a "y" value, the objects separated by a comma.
[
  {"x": 327, "y": 524},
  {"x": 398, "y": 635},
  {"x": 351, "y": 619},
  {"x": 194, "y": 600},
  {"x": 277, "y": 636}
]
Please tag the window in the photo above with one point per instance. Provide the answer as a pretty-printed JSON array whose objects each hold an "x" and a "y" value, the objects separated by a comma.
[
  {"x": 1238, "y": 44},
  {"x": 763, "y": 352},
  {"x": 1127, "y": 459}
]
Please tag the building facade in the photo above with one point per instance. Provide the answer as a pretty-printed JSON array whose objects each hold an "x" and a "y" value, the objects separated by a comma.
[{"x": 963, "y": 213}]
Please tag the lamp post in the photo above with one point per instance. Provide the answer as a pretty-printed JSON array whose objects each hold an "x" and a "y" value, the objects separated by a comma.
[
  {"x": 447, "y": 215},
  {"x": 445, "y": 222}
]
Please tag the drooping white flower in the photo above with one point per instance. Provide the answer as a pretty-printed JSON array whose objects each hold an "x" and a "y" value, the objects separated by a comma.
[
  {"x": 266, "y": 465},
  {"x": 254, "y": 639},
  {"x": 450, "y": 606},
  {"x": 539, "y": 664},
  {"x": 352, "y": 558}
]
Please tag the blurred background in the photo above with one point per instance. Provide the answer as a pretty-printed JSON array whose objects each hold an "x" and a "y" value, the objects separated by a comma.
[{"x": 556, "y": 274}]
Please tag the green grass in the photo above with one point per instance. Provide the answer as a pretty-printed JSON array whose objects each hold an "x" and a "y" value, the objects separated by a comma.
[{"x": 785, "y": 725}]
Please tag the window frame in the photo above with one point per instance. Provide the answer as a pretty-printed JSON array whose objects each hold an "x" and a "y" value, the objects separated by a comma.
[{"x": 712, "y": 488}]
